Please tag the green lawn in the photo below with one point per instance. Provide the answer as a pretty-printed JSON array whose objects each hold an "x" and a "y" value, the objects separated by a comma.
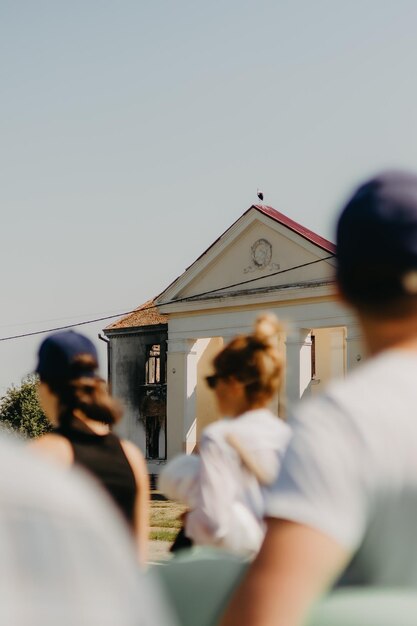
[{"x": 164, "y": 519}]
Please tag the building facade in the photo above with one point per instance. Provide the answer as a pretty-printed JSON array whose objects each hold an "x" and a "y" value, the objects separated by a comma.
[{"x": 263, "y": 262}]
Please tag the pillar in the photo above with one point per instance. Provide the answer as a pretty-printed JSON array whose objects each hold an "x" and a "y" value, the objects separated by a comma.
[
  {"x": 181, "y": 396},
  {"x": 298, "y": 365}
]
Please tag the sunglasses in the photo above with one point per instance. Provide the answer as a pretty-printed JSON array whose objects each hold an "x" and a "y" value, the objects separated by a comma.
[{"x": 213, "y": 380}]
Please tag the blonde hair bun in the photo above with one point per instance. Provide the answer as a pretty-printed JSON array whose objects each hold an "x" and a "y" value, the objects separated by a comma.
[
  {"x": 255, "y": 359},
  {"x": 267, "y": 329}
]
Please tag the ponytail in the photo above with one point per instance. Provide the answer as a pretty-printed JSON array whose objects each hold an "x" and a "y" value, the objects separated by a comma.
[{"x": 85, "y": 392}]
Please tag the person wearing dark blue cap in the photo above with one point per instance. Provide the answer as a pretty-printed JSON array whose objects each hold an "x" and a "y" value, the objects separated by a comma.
[
  {"x": 345, "y": 503},
  {"x": 76, "y": 401}
]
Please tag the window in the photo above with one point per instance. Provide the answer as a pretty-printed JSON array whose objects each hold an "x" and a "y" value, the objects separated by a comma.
[
  {"x": 152, "y": 405},
  {"x": 313, "y": 357},
  {"x": 153, "y": 364}
]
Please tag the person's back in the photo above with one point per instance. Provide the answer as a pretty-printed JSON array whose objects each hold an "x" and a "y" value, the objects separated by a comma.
[
  {"x": 103, "y": 456},
  {"x": 264, "y": 438},
  {"x": 230, "y": 499},
  {"x": 364, "y": 432},
  {"x": 65, "y": 555}
]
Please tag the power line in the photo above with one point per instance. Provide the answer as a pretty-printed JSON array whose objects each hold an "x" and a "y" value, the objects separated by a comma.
[
  {"x": 251, "y": 280},
  {"x": 43, "y": 321},
  {"x": 153, "y": 306}
]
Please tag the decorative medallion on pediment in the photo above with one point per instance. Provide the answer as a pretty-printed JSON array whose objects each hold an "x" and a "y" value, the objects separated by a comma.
[{"x": 261, "y": 257}]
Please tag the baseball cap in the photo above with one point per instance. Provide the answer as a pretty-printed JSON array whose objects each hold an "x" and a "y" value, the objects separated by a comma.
[
  {"x": 57, "y": 354},
  {"x": 377, "y": 239}
]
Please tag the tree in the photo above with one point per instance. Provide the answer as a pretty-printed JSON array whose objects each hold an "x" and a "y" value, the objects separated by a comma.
[{"x": 20, "y": 411}]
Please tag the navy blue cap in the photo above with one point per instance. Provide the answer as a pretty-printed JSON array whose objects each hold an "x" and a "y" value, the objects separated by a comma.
[
  {"x": 377, "y": 238},
  {"x": 57, "y": 355}
]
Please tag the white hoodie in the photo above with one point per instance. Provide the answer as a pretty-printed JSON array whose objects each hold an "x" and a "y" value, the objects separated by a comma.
[{"x": 225, "y": 497}]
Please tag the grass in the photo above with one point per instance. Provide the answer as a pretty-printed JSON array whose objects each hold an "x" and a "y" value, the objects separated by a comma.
[
  {"x": 163, "y": 534},
  {"x": 164, "y": 519}
]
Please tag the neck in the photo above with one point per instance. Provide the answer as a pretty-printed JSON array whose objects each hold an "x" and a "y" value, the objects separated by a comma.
[
  {"x": 380, "y": 335},
  {"x": 249, "y": 407}
]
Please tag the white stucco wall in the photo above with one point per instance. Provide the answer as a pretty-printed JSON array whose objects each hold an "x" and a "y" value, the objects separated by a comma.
[
  {"x": 193, "y": 332},
  {"x": 206, "y": 410}
]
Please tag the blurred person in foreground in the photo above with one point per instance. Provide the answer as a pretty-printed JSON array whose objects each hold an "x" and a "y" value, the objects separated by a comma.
[
  {"x": 238, "y": 455},
  {"x": 345, "y": 502},
  {"x": 65, "y": 556},
  {"x": 76, "y": 401}
]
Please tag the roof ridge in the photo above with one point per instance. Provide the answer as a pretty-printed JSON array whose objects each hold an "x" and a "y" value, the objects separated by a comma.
[{"x": 296, "y": 227}]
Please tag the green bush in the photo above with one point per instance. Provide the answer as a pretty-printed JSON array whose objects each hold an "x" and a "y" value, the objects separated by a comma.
[{"x": 20, "y": 411}]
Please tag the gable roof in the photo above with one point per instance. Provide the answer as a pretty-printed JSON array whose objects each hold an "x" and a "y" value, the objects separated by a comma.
[
  {"x": 308, "y": 234},
  {"x": 146, "y": 314},
  {"x": 278, "y": 217}
]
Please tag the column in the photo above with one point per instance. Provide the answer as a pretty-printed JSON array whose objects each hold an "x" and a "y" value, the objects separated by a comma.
[
  {"x": 298, "y": 365},
  {"x": 355, "y": 351},
  {"x": 181, "y": 396}
]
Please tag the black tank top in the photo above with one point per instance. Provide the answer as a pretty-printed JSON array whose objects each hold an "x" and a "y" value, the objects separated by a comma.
[{"x": 103, "y": 456}]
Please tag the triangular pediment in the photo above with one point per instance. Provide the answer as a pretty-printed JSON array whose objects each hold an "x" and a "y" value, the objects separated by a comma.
[{"x": 262, "y": 250}]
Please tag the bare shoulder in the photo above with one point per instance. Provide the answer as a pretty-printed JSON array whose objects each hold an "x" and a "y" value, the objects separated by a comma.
[
  {"x": 134, "y": 455},
  {"x": 135, "y": 458},
  {"x": 54, "y": 446}
]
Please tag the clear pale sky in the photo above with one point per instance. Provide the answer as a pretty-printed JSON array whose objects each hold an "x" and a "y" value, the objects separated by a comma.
[{"x": 134, "y": 133}]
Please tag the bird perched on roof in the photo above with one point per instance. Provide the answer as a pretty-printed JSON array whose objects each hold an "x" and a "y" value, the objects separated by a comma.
[{"x": 260, "y": 194}]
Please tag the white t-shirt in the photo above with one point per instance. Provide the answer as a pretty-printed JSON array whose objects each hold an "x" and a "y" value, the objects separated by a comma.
[
  {"x": 350, "y": 470},
  {"x": 66, "y": 556},
  {"x": 229, "y": 502}
]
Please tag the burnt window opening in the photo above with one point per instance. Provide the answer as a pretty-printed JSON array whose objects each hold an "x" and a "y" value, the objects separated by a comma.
[
  {"x": 153, "y": 364},
  {"x": 155, "y": 449},
  {"x": 152, "y": 400},
  {"x": 313, "y": 357}
]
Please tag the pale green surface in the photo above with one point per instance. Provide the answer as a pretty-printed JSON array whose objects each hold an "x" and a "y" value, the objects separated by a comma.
[
  {"x": 200, "y": 582},
  {"x": 366, "y": 607}
]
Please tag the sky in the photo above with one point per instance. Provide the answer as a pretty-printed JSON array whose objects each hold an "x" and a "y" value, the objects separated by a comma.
[{"x": 134, "y": 133}]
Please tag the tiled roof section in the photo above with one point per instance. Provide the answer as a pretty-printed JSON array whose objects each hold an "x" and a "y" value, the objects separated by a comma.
[
  {"x": 297, "y": 228},
  {"x": 145, "y": 315}
]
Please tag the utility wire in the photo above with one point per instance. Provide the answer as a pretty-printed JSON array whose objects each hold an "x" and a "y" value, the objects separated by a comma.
[
  {"x": 251, "y": 280},
  {"x": 154, "y": 306}
]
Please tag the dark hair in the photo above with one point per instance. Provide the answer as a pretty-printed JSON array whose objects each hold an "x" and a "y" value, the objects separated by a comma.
[
  {"x": 376, "y": 289},
  {"x": 254, "y": 359},
  {"x": 358, "y": 290},
  {"x": 377, "y": 246},
  {"x": 88, "y": 393}
]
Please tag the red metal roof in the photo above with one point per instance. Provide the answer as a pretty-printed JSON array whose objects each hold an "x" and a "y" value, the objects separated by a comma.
[{"x": 295, "y": 227}]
